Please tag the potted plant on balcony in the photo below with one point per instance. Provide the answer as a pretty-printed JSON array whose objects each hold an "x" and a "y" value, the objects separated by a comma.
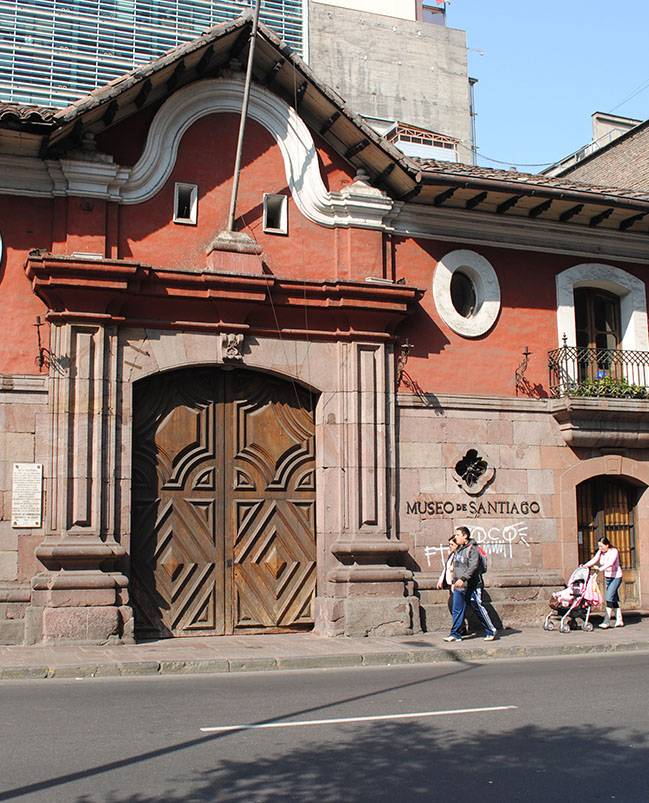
[{"x": 610, "y": 387}]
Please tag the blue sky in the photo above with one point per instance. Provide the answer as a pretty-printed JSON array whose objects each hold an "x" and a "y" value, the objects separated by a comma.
[{"x": 547, "y": 67}]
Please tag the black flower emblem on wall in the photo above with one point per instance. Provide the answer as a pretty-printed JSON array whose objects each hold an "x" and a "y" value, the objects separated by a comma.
[
  {"x": 473, "y": 473},
  {"x": 471, "y": 467}
]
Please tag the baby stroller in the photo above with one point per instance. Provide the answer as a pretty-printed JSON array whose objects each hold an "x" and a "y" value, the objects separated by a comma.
[{"x": 574, "y": 601}]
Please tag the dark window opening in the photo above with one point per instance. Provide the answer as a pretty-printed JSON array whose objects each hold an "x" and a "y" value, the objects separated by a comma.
[
  {"x": 463, "y": 294},
  {"x": 597, "y": 322},
  {"x": 186, "y": 203},
  {"x": 275, "y": 214}
]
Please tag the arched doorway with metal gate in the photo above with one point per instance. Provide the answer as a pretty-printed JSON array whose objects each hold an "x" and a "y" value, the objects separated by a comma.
[
  {"x": 606, "y": 509},
  {"x": 223, "y": 503}
]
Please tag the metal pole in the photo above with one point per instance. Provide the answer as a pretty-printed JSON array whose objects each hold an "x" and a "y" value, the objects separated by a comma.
[
  {"x": 244, "y": 113},
  {"x": 473, "y": 113}
]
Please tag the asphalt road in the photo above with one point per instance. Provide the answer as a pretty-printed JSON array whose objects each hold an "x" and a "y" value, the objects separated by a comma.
[{"x": 571, "y": 729}]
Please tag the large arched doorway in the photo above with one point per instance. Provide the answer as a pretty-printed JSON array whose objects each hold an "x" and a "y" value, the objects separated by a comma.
[
  {"x": 223, "y": 525},
  {"x": 606, "y": 508}
]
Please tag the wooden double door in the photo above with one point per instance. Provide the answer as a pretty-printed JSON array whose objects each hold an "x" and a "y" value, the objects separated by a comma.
[{"x": 223, "y": 493}]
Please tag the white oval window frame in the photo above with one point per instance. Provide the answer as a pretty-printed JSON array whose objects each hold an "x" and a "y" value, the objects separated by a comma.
[{"x": 487, "y": 291}]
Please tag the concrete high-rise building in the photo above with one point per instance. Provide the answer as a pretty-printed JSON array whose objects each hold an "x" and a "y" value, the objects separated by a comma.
[{"x": 397, "y": 64}]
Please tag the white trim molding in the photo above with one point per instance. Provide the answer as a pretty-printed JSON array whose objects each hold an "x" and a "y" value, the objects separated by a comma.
[
  {"x": 487, "y": 291},
  {"x": 358, "y": 205},
  {"x": 504, "y": 231},
  {"x": 630, "y": 290}
]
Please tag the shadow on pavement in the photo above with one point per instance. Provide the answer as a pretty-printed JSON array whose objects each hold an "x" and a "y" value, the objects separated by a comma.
[{"x": 399, "y": 761}]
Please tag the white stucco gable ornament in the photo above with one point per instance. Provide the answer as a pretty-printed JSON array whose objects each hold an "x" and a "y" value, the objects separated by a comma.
[
  {"x": 472, "y": 473},
  {"x": 359, "y": 204}
]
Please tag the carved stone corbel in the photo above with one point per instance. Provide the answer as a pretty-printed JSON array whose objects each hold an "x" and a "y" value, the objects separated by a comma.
[{"x": 231, "y": 347}]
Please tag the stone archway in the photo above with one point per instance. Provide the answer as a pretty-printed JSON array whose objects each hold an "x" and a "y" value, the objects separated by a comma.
[{"x": 634, "y": 472}]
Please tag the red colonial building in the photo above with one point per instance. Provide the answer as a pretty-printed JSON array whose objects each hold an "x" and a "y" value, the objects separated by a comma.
[{"x": 276, "y": 425}]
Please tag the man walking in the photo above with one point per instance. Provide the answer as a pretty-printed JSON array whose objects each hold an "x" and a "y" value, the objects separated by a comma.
[{"x": 467, "y": 586}]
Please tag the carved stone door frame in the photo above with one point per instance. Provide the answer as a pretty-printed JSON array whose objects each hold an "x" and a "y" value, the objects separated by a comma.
[{"x": 362, "y": 586}]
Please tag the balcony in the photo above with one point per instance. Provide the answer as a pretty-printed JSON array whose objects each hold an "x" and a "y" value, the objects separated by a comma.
[
  {"x": 601, "y": 373},
  {"x": 600, "y": 397}
]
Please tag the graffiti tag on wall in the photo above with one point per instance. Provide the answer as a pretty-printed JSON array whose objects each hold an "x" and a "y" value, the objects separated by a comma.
[
  {"x": 494, "y": 541},
  {"x": 497, "y": 541}
]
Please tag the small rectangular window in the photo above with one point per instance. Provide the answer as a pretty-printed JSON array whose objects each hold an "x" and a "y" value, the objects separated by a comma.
[
  {"x": 275, "y": 214},
  {"x": 185, "y": 203}
]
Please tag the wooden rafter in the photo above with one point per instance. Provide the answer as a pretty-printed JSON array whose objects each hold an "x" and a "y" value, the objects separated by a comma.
[
  {"x": 444, "y": 196},
  {"x": 477, "y": 199},
  {"x": 381, "y": 177},
  {"x": 356, "y": 148},
  {"x": 564, "y": 217},
  {"x": 272, "y": 73},
  {"x": 597, "y": 219},
  {"x": 629, "y": 221},
  {"x": 329, "y": 122},
  {"x": 540, "y": 208},
  {"x": 300, "y": 93},
  {"x": 143, "y": 94},
  {"x": 109, "y": 114},
  {"x": 413, "y": 193},
  {"x": 172, "y": 82},
  {"x": 205, "y": 59},
  {"x": 506, "y": 205}
]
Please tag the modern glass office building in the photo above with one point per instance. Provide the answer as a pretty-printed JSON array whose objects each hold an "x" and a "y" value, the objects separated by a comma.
[{"x": 53, "y": 52}]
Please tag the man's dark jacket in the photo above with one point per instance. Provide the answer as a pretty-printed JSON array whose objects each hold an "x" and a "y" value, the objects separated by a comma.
[{"x": 466, "y": 565}]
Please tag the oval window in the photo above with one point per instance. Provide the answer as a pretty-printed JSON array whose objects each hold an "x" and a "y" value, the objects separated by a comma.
[{"x": 466, "y": 292}]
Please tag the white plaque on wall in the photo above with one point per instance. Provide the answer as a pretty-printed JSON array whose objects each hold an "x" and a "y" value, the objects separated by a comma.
[{"x": 27, "y": 495}]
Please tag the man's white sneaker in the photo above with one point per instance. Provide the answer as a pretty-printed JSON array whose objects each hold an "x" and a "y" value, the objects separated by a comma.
[
  {"x": 490, "y": 637},
  {"x": 452, "y": 638}
]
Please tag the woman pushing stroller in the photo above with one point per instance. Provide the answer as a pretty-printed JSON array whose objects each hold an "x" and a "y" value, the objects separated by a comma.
[{"x": 607, "y": 559}]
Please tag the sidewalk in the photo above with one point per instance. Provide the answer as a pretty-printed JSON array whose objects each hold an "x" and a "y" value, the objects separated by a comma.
[{"x": 303, "y": 651}]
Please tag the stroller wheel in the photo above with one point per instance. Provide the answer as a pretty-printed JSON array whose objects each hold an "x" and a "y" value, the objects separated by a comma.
[
  {"x": 588, "y": 626},
  {"x": 548, "y": 626},
  {"x": 564, "y": 628}
]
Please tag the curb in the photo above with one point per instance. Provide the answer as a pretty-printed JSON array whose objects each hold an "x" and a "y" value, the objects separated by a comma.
[{"x": 231, "y": 665}]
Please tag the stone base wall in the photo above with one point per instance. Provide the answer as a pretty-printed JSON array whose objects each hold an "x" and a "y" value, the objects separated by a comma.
[
  {"x": 504, "y": 468},
  {"x": 500, "y": 466},
  {"x": 509, "y": 607},
  {"x": 14, "y": 599},
  {"x": 368, "y": 616},
  {"x": 24, "y": 438}
]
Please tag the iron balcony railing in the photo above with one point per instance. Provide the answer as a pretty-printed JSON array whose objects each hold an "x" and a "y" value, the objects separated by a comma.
[{"x": 610, "y": 373}]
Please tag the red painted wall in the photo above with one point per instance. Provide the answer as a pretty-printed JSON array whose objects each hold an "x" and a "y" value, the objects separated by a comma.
[
  {"x": 25, "y": 223},
  {"x": 444, "y": 362},
  {"x": 440, "y": 362},
  {"x": 206, "y": 156}
]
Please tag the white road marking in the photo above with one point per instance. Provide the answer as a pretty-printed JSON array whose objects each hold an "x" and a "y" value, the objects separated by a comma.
[{"x": 342, "y": 720}]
